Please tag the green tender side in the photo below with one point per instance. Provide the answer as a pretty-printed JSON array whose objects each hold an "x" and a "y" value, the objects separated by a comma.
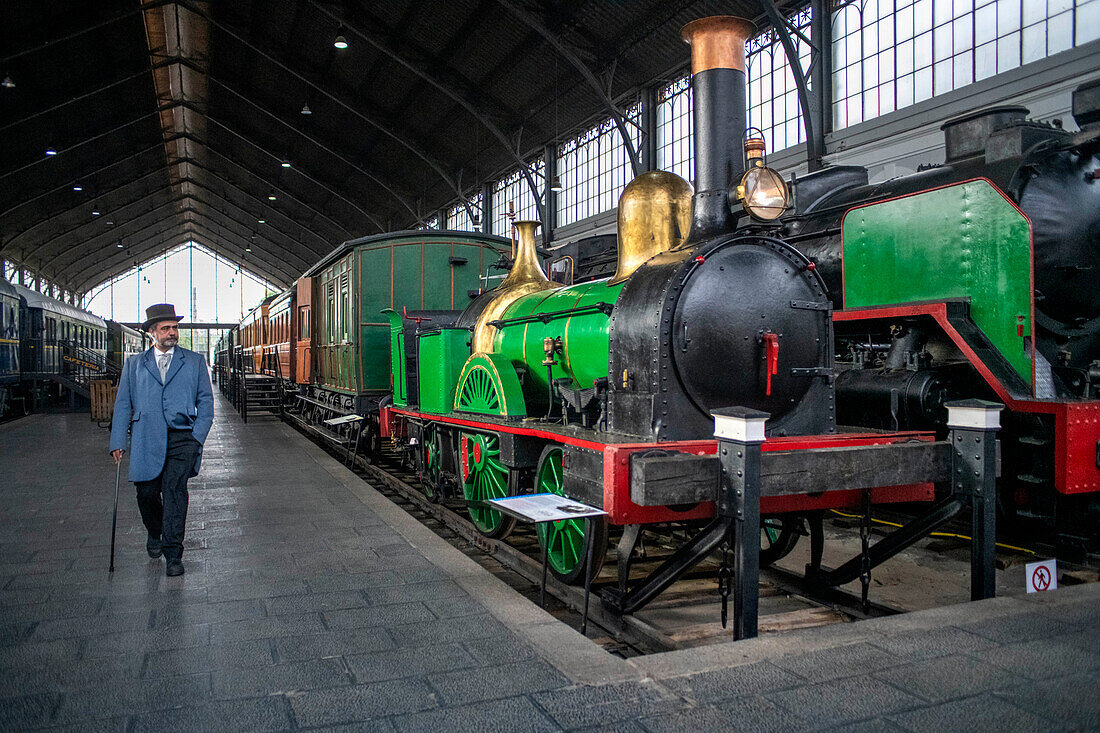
[
  {"x": 440, "y": 358},
  {"x": 965, "y": 240},
  {"x": 584, "y": 336},
  {"x": 435, "y": 271},
  {"x": 397, "y": 356}
]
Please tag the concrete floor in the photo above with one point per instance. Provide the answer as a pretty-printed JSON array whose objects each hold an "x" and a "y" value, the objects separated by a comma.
[{"x": 311, "y": 601}]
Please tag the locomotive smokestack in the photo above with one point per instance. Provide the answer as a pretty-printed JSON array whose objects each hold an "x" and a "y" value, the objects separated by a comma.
[{"x": 718, "y": 89}]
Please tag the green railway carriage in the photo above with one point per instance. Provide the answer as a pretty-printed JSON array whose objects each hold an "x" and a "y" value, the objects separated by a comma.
[{"x": 421, "y": 270}]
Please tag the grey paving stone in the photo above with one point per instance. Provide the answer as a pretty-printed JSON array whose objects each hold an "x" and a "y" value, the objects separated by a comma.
[
  {"x": 499, "y": 649},
  {"x": 263, "y": 714},
  {"x": 100, "y": 725},
  {"x": 286, "y": 678},
  {"x": 845, "y": 661},
  {"x": 340, "y": 642},
  {"x": 1018, "y": 628},
  {"x": 176, "y": 637},
  {"x": 68, "y": 676},
  {"x": 21, "y": 596},
  {"x": 377, "y": 725},
  {"x": 947, "y": 678},
  {"x": 1046, "y": 658},
  {"x": 83, "y": 626},
  {"x": 1084, "y": 612},
  {"x": 849, "y": 699},
  {"x": 445, "y": 631},
  {"x": 979, "y": 714},
  {"x": 455, "y": 606},
  {"x": 261, "y": 589},
  {"x": 748, "y": 679},
  {"x": 918, "y": 645},
  {"x": 875, "y": 725},
  {"x": 753, "y": 713},
  {"x": 122, "y": 697},
  {"x": 269, "y": 627},
  {"x": 625, "y": 726},
  {"x": 361, "y": 702},
  {"x": 412, "y": 662},
  {"x": 427, "y": 574},
  {"x": 355, "y": 581},
  {"x": 207, "y": 613},
  {"x": 37, "y": 654},
  {"x": 391, "y": 615},
  {"x": 27, "y": 711},
  {"x": 406, "y": 593},
  {"x": 498, "y": 716},
  {"x": 255, "y": 653},
  {"x": 14, "y": 633},
  {"x": 596, "y": 705},
  {"x": 486, "y": 683},
  {"x": 1072, "y": 702},
  {"x": 316, "y": 602}
]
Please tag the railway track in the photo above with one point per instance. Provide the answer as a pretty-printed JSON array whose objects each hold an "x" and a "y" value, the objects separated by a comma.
[{"x": 685, "y": 615}]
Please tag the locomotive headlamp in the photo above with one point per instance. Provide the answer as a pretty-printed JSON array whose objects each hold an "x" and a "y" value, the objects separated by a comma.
[{"x": 762, "y": 192}]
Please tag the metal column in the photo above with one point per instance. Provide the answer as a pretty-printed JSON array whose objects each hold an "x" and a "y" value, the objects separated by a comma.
[
  {"x": 974, "y": 425},
  {"x": 740, "y": 433}
]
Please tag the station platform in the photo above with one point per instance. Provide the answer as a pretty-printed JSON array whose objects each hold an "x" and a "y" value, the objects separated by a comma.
[{"x": 311, "y": 601}]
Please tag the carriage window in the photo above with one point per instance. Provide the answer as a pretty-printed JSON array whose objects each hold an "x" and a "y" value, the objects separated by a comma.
[
  {"x": 303, "y": 322},
  {"x": 329, "y": 330},
  {"x": 345, "y": 305}
]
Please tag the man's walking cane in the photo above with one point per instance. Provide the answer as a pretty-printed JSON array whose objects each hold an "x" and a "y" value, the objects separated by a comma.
[{"x": 114, "y": 518}]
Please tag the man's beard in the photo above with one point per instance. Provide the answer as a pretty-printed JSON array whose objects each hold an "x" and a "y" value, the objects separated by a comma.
[{"x": 168, "y": 342}]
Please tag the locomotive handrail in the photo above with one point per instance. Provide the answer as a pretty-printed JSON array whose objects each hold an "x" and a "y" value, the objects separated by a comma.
[{"x": 605, "y": 308}]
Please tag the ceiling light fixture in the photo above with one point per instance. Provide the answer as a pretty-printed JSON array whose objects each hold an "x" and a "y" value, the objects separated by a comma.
[
  {"x": 110, "y": 223},
  {"x": 119, "y": 245},
  {"x": 7, "y": 83},
  {"x": 555, "y": 184},
  {"x": 77, "y": 187},
  {"x": 306, "y": 110},
  {"x": 262, "y": 221},
  {"x": 340, "y": 42},
  {"x": 51, "y": 151},
  {"x": 96, "y": 211},
  {"x": 285, "y": 163},
  {"x": 271, "y": 196}
]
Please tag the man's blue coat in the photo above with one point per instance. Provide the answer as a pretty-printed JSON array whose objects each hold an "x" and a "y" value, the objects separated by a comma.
[{"x": 185, "y": 400}]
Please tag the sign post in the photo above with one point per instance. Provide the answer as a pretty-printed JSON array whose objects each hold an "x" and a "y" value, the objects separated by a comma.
[{"x": 542, "y": 508}]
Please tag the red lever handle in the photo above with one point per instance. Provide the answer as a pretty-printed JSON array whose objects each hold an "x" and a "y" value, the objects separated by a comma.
[{"x": 771, "y": 358}]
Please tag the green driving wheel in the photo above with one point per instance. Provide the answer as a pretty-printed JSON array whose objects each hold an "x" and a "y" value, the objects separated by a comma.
[
  {"x": 433, "y": 462},
  {"x": 568, "y": 539},
  {"x": 484, "y": 477}
]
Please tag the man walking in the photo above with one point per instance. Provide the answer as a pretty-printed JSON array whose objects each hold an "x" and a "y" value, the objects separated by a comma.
[{"x": 164, "y": 396}]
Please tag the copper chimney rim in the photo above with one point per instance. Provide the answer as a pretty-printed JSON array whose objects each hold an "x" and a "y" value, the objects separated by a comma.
[{"x": 717, "y": 42}]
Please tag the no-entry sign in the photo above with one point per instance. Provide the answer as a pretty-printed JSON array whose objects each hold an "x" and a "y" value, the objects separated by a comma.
[{"x": 1041, "y": 576}]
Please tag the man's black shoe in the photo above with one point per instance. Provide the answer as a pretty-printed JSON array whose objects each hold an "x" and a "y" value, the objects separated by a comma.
[
  {"x": 173, "y": 568},
  {"x": 153, "y": 546}
]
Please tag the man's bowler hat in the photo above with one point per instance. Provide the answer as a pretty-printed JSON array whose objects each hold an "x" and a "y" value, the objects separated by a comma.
[{"x": 160, "y": 312}]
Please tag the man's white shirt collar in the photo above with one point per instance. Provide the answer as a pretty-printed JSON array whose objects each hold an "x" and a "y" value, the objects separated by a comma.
[{"x": 157, "y": 353}]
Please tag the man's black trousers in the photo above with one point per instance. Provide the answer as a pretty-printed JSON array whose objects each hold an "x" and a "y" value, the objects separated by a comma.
[{"x": 163, "y": 501}]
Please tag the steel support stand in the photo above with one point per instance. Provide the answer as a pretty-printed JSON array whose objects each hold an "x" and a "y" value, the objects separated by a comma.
[
  {"x": 974, "y": 425},
  {"x": 545, "y": 563},
  {"x": 740, "y": 434},
  {"x": 587, "y": 573}
]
